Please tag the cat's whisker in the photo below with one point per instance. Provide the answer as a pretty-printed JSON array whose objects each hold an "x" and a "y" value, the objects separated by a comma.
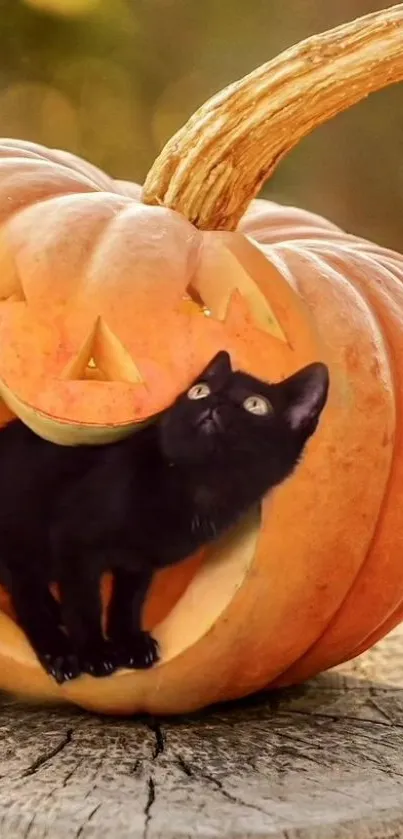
[
  {"x": 212, "y": 526},
  {"x": 195, "y": 525}
]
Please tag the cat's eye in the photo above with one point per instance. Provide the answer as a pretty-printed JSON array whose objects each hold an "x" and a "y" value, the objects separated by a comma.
[
  {"x": 199, "y": 391},
  {"x": 257, "y": 405}
]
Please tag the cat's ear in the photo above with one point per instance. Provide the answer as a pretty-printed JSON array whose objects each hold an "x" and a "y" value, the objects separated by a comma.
[
  {"x": 218, "y": 368},
  {"x": 305, "y": 394}
]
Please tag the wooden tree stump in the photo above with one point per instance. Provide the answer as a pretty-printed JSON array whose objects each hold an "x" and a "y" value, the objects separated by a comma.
[{"x": 320, "y": 761}]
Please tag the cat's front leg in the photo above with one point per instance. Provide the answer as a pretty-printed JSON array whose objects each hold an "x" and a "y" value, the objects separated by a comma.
[
  {"x": 133, "y": 646},
  {"x": 38, "y": 614},
  {"x": 79, "y": 580}
]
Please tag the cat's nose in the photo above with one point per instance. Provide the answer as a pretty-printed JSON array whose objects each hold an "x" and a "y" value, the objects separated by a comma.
[{"x": 209, "y": 420}]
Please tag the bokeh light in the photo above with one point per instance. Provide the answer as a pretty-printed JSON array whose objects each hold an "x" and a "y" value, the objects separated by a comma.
[
  {"x": 64, "y": 7},
  {"x": 51, "y": 115}
]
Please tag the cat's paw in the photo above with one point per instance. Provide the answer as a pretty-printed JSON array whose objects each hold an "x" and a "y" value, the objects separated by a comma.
[
  {"x": 98, "y": 659},
  {"x": 62, "y": 666},
  {"x": 138, "y": 652}
]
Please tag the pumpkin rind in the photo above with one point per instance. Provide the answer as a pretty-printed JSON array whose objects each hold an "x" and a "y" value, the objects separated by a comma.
[
  {"x": 289, "y": 296},
  {"x": 377, "y": 274}
]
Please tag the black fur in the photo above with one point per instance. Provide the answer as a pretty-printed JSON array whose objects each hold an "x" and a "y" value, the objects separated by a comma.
[{"x": 146, "y": 502}]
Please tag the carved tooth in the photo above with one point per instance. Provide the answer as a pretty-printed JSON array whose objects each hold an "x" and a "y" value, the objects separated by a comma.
[{"x": 215, "y": 285}]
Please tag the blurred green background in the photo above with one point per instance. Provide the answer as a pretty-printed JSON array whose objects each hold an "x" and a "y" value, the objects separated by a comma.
[{"x": 113, "y": 79}]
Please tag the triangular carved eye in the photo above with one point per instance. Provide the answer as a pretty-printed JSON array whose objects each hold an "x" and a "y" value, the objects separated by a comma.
[
  {"x": 93, "y": 372},
  {"x": 193, "y": 295},
  {"x": 102, "y": 357},
  {"x": 215, "y": 288}
]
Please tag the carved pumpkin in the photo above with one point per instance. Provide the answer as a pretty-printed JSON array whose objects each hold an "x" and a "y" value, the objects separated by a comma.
[{"x": 110, "y": 306}]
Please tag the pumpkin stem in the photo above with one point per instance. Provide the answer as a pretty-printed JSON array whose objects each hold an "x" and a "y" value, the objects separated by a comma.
[{"x": 212, "y": 167}]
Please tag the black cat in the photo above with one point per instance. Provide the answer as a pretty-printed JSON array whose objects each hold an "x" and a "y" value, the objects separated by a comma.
[{"x": 146, "y": 502}]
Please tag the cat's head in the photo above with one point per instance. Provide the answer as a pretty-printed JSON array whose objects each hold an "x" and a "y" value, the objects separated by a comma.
[{"x": 227, "y": 416}]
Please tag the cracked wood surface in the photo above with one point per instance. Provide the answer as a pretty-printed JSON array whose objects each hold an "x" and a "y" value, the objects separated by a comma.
[{"x": 316, "y": 762}]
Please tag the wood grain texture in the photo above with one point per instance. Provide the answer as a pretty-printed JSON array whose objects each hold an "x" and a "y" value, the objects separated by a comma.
[{"x": 317, "y": 762}]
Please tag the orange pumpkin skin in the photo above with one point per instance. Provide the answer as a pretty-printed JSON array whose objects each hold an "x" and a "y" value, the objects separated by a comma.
[{"x": 318, "y": 577}]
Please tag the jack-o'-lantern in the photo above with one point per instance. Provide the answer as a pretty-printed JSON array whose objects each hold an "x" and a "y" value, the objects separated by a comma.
[{"x": 113, "y": 299}]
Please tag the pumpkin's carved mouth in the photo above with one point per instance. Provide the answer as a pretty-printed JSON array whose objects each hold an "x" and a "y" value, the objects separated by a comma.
[{"x": 211, "y": 589}]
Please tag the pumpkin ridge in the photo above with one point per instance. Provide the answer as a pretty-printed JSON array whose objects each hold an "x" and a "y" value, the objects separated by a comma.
[
  {"x": 20, "y": 150},
  {"x": 327, "y": 270},
  {"x": 8, "y": 152},
  {"x": 36, "y": 164},
  {"x": 97, "y": 239},
  {"x": 20, "y": 210},
  {"x": 352, "y": 244},
  {"x": 83, "y": 167},
  {"x": 383, "y": 628},
  {"x": 284, "y": 216},
  {"x": 17, "y": 214},
  {"x": 62, "y": 199},
  {"x": 283, "y": 678}
]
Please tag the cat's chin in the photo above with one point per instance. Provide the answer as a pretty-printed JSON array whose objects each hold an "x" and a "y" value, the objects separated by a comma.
[
  {"x": 190, "y": 459},
  {"x": 191, "y": 449}
]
